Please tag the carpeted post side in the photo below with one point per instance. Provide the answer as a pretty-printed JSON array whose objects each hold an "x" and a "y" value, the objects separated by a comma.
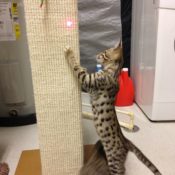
[{"x": 56, "y": 91}]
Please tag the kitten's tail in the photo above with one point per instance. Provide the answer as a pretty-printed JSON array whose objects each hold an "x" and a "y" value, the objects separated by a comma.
[{"x": 142, "y": 157}]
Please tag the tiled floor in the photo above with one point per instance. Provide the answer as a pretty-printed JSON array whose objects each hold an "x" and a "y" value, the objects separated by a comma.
[{"x": 156, "y": 140}]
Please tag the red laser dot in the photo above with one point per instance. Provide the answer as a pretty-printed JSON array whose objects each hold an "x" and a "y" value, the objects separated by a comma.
[{"x": 69, "y": 23}]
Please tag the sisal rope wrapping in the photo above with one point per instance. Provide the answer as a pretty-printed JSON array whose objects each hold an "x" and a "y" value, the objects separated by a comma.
[{"x": 56, "y": 91}]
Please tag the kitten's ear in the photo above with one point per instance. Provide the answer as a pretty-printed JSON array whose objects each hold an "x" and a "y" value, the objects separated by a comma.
[{"x": 118, "y": 44}]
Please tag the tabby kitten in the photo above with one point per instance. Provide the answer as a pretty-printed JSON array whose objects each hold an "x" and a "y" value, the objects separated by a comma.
[{"x": 102, "y": 87}]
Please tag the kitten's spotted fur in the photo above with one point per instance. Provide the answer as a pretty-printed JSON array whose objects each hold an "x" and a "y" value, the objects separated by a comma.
[{"x": 102, "y": 87}]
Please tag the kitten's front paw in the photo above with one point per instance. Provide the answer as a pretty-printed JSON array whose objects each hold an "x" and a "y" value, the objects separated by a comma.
[{"x": 68, "y": 52}]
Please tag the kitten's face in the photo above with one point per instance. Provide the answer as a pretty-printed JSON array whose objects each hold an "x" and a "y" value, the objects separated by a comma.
[{"x": 110, "y": 55}]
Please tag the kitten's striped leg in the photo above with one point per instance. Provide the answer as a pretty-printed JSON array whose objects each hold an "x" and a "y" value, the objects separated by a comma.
[
  {"x": 80, "y": 72},
  {"x": 77, "y": 68},
  {"x": 88, "y": 81},
  {"x": 70, "y": 56}
]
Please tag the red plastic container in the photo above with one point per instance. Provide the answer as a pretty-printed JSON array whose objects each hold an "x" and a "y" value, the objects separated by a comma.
[{"x": 125, "y": 96}]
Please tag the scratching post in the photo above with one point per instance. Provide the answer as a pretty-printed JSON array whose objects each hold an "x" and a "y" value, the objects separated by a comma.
[{"x": 50, "y": 29}]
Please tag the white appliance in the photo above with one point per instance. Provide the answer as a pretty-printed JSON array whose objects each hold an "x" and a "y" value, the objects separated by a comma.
[
  {"x": 16, "y": 90},
  {"x": 153, "y": 57}
]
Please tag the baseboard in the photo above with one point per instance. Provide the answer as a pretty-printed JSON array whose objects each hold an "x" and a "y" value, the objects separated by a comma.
[{"x": 18, "y": 121}]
